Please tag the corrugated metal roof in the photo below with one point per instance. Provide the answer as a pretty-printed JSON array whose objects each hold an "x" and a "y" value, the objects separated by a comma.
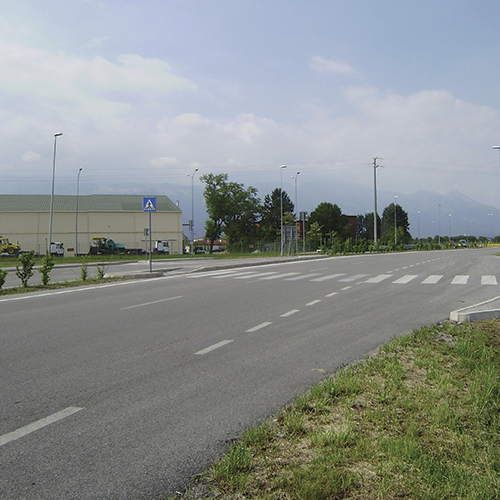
[{"x": 86, "y": 203}]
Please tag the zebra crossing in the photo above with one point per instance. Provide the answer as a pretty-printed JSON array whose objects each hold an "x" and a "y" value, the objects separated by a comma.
[{"x": 393, "y": 278}]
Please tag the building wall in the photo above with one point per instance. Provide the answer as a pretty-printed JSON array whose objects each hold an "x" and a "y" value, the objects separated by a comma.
[{"x": 31, "y": 229}]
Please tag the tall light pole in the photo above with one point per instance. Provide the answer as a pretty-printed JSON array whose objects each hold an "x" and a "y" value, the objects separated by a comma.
[
  {"x": 52, "y": 194},
  {"x": 296, "y": 209},
  {"x": 281, "y": 208},
  {"x": 76, "y": 220},
  {"x": 191, "y": 222},
  {"x": 439, "y": 223},
  {"x": 449, "y": 227},
  {"x": 498, "y": 149},
  {"x": 395, "y": 224},
  {"x": 418, "y": 224},
  {"x": 375, "y": 166}
]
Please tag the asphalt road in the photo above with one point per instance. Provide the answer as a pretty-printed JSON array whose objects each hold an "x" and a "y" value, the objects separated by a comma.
[{"x": 124, "y": 390}]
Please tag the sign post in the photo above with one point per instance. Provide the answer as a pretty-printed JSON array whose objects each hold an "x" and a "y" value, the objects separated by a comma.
[{"x": 149, "y": 205}]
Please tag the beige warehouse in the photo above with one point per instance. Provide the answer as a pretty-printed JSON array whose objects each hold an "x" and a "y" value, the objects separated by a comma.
[{"x": 25, "y": 219}]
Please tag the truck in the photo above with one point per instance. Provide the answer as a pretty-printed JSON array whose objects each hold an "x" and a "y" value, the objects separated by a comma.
[
  {"x": 100, "y": 245},
  {"x": 57, "y": 249},
  {"x": 10, "y": 248},
  {"x": 162, "y": 247}
]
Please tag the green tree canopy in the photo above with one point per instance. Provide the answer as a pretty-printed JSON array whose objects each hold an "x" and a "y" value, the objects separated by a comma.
[
  {"x": 270, "y": 223},
  {"x": 365, "y": 227},
  {"x": 232, "y": 210},
  {"x": 388, "y": 226},
  {"x": 331, "y": 219}
]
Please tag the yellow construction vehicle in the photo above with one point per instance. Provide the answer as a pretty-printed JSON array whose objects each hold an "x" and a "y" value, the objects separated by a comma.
[{"x": 7, "y": 247}]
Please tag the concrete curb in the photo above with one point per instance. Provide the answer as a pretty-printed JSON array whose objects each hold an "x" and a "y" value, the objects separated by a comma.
[{"x": 483, "y": 310}]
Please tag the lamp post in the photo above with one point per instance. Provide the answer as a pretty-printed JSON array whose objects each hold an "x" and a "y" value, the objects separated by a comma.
[
  {"x": 52, "y": 193},
  {"x": 191, "y": 222},
  {"x": 296, "y": 209},
  {"x": 76, "y": 219},
  {"x": 449, "y": 227},
  {"x": 418, "y": 224},
  {"x": 395, "y": 224},
  {"x": 498, "y": 149},
  {"x": 281, "y": 208},
  {"x": 439, "y": 223}
]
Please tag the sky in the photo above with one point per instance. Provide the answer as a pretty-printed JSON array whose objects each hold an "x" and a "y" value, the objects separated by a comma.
[{"x": 145, "y": 92}]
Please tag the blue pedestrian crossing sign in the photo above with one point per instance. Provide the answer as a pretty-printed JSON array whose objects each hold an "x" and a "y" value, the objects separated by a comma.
[{"x": 149, "y": 204}]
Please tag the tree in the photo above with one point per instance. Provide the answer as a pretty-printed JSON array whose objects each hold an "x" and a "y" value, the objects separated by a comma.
[
  {"x": 270, "y": 221},
  {"x": 330, "y": 218},
  {"x": 232, "y": 210},
  {"x": 388, "y": 226},
  {"x": 365, "y": 227}
]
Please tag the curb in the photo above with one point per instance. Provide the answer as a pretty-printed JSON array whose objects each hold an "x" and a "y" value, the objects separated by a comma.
[{"x": 476, "y": 312}]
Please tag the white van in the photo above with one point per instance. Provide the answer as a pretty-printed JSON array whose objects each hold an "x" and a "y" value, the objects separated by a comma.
[{"x": 57, "y": 249}]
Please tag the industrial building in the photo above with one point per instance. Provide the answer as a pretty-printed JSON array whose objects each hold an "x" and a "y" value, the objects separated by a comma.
[{"x": 25, "y": 219}]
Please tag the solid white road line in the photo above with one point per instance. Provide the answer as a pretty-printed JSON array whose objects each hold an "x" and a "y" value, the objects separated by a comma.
[
  {"x": 258, "y": 327},
  {"x": 151, "y": 303},
  {"x": 28, "y": 429},
  {"x": 211, "y": 348}
]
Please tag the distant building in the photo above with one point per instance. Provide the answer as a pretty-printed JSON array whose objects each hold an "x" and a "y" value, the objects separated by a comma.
[{"x": 25, "y": 219}]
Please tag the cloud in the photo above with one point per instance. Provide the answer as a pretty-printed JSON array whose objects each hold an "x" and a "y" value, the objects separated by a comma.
[
  {"x": 164, "y": 161},
  {"x": 322, "y": 65},
  {"x": 95, "y": 89},
  {"x": 30, "y": 156}
]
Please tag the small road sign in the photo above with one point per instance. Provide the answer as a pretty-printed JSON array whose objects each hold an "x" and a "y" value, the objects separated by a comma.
[{"x": 149, "y": 204}]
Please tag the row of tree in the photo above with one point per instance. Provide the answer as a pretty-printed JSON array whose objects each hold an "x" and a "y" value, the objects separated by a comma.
[{"x": 237, "y": 213}]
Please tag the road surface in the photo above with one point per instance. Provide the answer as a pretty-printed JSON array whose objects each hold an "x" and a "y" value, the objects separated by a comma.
[{"x": 124, "y": 390}]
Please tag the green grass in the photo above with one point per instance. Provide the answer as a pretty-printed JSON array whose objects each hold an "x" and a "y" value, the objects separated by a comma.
[{"x": 420, "y": 420}]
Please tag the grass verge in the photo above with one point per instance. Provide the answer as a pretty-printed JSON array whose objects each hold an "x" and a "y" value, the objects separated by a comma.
[{"x": 420, "y": 420}]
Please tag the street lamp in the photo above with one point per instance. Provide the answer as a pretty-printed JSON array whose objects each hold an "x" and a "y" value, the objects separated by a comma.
[
  {"x": 191, "y": 222},
  {"x": 281, "y": 208},
  {"x": 395, "y": 225},
  {"x": 498, "y": 149},
  {"x": 418, "y": 224},
  {"x": 52, "y": 194},
  {"x": 449, "y": 227},
  {"x": 76, "y": 221},
  {"x": 296, "y": 209},
  {"x": 439, "y": 223}
]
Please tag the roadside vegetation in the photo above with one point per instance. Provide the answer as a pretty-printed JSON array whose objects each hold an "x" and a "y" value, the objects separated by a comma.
[{"x": 419, "y": 420}]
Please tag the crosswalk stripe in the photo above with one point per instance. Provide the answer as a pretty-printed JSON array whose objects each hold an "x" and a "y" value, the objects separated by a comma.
[
  {"x": 353, "y": 278},
  {"x": 279, "y": 276},
  {"x": 432, "y": 279},
  {"x": 405, "y": 279},
  {"x": 460, "y": 279},
  {"x": 302, "y": 277},
  {"x": 255, "y": 275},
  {"x": 329, "y": 277},
  {"x": 379, "y": 278},
  {"x": 488, "y": 280}
]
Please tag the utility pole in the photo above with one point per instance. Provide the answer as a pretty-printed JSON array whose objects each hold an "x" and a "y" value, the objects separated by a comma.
[{"x": 375, "y": 166}]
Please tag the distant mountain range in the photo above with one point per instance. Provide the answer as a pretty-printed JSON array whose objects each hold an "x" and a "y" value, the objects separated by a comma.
[{"x": 429, "y": 213}]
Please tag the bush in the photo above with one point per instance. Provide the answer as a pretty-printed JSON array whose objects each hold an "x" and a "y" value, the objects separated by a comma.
[
  {"x": 46, "y": 268},
  {"x": 3, "y": 276},
  {"x": 26, "y": 271}
]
